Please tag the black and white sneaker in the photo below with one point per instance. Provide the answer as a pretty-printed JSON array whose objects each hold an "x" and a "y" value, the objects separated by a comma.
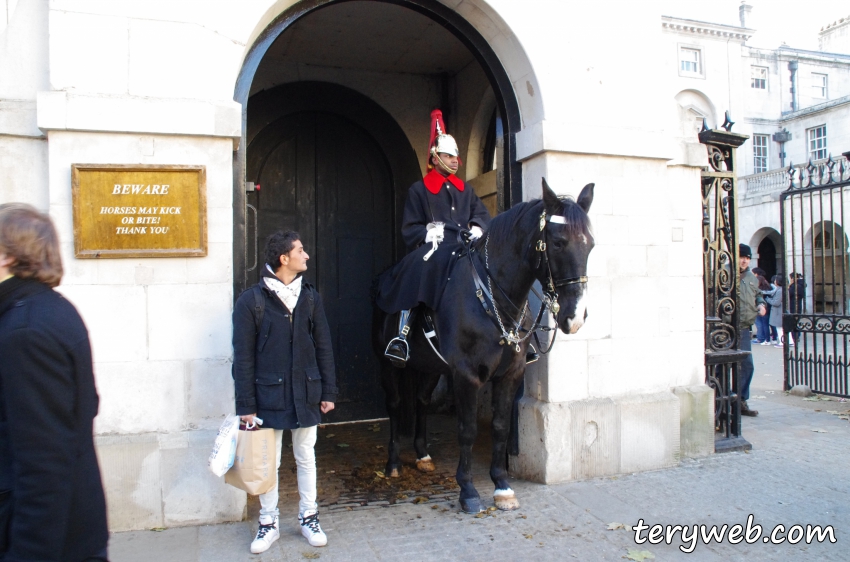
[
  {"x": 266, "y": 535},
  {"x": 311, "y": 529}
]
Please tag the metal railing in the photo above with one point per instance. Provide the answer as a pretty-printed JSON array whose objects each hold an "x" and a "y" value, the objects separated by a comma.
[{"x": 778, "y": 180}]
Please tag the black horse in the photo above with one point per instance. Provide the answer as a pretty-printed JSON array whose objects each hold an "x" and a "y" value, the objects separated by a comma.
[{"x": 546, "y": 240}]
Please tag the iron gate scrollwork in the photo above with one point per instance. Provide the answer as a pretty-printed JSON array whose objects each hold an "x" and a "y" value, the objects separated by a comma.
[
  {"x": 815, "y": 264},
  {"x": 720, "y": 282}
]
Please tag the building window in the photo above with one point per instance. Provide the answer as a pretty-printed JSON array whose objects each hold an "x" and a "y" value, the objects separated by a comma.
[
  {"x": 819, "y": 84},
  {"x": 759, "y": 78},
  {"x": 817, "y": 142},
  {"x": 759, "y": 153},
  {"x": 690, "y": 61}
]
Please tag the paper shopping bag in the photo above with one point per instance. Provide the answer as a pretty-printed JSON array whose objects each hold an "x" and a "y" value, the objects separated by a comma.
[{"x": 254, "y": 467}]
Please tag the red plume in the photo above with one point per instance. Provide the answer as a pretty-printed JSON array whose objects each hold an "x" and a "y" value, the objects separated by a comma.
[{"x": 436, "y": 121}]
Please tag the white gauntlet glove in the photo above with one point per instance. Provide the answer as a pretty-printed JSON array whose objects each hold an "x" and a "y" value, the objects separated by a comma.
[
  {"x": 435, "y": 232},
  {"x": 434, "y": 236},
  {"x": 475, "y": 232}
]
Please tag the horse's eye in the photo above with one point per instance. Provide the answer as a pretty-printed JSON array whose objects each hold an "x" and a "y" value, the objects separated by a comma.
[{"x": 559, "y": 245}]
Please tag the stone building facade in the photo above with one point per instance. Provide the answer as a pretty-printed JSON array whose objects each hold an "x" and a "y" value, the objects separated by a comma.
[
  {"x": 259, "y": 91},
  {"x": 793, "y": 103}
]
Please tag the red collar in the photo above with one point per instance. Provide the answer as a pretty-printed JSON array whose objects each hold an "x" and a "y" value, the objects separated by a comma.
[{"x": 434, "y": 181}]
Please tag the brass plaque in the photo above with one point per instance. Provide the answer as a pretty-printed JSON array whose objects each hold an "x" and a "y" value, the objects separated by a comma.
[{"x": 139, "y": 211}]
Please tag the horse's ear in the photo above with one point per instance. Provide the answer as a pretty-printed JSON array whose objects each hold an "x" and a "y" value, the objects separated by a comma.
[
  {"x": 585, "y": 198},
  {"x": 550, "y": 199}
]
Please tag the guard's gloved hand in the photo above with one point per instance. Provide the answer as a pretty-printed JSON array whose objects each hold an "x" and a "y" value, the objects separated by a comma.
[
  {"x": 435, "y": 232},
  {"x": 475, "y": 232}
]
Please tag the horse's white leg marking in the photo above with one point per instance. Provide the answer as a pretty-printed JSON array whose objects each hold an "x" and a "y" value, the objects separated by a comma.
[
  {"x": 505, "y": 500},
  {"x": 577, "y": 321},
  {"x": 425, "y": 464}
]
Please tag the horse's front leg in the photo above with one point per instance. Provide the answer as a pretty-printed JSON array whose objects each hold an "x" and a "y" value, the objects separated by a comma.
[
  {"x": 504, "y": 390},
  {"x": 466, "y": 402},
  {"x": 426, "y": 386}
]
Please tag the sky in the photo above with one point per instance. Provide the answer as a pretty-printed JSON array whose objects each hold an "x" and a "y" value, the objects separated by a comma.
[{"x": 796, "y": 22}]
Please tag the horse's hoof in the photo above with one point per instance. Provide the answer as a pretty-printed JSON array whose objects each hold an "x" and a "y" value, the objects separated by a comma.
[
  {"x": 394, "y": 473},
  {"x": 425, "y": 464},
  {"x": 506, "y": 500},
  {"x": 471, "y": 505}
]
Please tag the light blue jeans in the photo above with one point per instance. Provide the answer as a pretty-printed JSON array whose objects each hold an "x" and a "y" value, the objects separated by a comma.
[{"x": 303, "y": 448}]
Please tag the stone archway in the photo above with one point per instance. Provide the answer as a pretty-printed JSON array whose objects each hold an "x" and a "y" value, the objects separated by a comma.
[{"x": 486, "y": 36}]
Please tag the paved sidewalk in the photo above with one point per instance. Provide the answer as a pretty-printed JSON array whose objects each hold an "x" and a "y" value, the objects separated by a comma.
[{"x": 797, "y": 473}]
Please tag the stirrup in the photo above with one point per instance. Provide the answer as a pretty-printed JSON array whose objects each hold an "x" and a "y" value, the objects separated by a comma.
[{"x": 398, "y": 352}]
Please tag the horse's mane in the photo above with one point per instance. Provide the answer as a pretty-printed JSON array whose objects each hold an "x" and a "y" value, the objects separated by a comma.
[{"x": 505, "y": 225}]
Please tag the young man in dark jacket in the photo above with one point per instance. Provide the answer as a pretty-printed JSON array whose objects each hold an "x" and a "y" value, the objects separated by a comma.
[
  {"x": 283, "y": 369},
  {"x": 52, "y": 505}
]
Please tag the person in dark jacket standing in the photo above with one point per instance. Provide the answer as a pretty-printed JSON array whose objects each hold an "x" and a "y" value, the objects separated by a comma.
[
  {"x": 284, "y": 373},
  {"x": 52, "y": 505},
  {"x": 750, "y": 306},
  {"x": 439, "y": 208}
]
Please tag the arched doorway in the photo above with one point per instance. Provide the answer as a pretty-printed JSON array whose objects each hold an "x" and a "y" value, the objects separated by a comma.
[
  {"x": 324, "y": 175},
  {"x": 318, "y": 81},
  {"x": 767, "y": 257}
]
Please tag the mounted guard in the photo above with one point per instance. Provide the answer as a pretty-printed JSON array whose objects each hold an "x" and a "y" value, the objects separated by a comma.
[{"x": 441, "y": 210}]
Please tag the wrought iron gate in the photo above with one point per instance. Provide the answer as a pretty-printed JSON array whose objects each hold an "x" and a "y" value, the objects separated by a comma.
[
  {"x": 720, "y": 283},
  {"x": 816, "y": 270}
]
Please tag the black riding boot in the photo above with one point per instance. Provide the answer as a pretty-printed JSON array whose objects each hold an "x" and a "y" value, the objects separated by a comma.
[{"x": 398, "y": 350}]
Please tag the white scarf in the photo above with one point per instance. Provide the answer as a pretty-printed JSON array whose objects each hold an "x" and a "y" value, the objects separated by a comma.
[{"x": 288, "y": 294}]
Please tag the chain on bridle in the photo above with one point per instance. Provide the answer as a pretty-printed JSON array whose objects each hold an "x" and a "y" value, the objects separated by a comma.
[{"x": 549, "y": 299}]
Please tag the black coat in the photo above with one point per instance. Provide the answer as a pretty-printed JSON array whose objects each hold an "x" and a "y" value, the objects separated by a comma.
[
  {"x": 413, "y": 280},
  {"x": 283, "y": 372},
  {"x": 56, "y": 508},
  {"x": 457, "y": 209}
]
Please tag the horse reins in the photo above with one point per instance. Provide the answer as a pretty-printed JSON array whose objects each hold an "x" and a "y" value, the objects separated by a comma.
[{"x": 549, "y": 299}]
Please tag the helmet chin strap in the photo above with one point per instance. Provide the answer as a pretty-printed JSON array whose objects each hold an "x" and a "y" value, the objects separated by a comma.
[{"x": 441, "y": 164}]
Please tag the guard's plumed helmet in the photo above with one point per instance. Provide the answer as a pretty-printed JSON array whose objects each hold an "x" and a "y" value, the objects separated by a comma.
[{"x": 440, "y": 140}]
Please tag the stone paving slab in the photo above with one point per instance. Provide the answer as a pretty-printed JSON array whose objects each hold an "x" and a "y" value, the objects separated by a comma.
[{"x": 793, "y": 475}]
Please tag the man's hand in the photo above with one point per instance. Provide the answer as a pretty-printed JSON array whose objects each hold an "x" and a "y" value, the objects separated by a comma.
[
  {"x": 762, "y": 310},
  {"x": 327, "y": 407},
  {"x": 434, "y": 232},
  {"x": 249, "y": 419},
  {"x": 475, "y": 232}
]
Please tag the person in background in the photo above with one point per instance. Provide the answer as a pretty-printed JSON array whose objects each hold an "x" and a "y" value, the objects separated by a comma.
[
  {"x": 774, "y": 299},
  {"x": 52, "y": 505},
  {"x": 762, "y": 325},
  {"x": 750, "y": 306},
  {"x": 796, "y": 296}
]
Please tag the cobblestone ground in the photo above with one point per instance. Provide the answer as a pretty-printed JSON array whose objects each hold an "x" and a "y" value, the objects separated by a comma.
[{"x": 797, "y": 473}]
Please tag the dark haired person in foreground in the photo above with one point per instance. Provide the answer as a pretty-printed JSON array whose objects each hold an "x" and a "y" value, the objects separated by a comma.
[
  {"x": 283, "y": 369},
  {"x": 52, "y": 505}
]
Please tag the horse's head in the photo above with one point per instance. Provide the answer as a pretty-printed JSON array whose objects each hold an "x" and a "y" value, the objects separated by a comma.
[{"x": 567, "y": 241}]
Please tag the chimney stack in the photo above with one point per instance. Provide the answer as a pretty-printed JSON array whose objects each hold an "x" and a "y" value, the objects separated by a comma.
[{"x": 744, "y": 13}]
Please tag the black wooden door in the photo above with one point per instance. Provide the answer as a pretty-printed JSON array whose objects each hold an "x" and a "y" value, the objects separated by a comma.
[{"x": 327, "y": 178}]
